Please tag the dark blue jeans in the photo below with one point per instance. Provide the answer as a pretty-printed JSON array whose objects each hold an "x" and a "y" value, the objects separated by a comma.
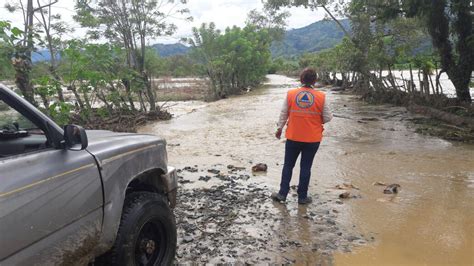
[{"x": 292, "y": 151}]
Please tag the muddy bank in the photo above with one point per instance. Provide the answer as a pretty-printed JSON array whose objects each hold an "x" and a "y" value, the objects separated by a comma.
[
  {"x": 428, "y": 222},
  {"x": 223, "y": 216},
  {"x": 119, "y": 120},
  {"x": 436, "y": 116}
]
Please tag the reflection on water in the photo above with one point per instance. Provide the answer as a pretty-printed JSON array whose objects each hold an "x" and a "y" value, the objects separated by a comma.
[{"x": 431, "y": 221}]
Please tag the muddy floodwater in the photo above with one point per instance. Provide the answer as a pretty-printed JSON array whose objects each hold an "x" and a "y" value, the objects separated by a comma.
[{"x": 226, "y": 216}]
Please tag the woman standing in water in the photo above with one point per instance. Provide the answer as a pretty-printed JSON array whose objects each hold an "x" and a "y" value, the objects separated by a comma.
[{"x": 306, "y": 110}]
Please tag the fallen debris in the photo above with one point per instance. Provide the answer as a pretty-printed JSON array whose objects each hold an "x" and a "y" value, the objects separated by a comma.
[
  {"x": 378, "y": 183},
  {"x": 261, "y": 167},
  {"x": 190, "y": 169},
  {"x": 392, "y": 189},
  {"x": 174, "y": 145},
  {"x": 345, "y": 195},
  {"x": 214, "y": 171},
  {"x": 205, "y": 178},
  {"x": 236, "y": 168},
  {"x": 346, "y": 186}
]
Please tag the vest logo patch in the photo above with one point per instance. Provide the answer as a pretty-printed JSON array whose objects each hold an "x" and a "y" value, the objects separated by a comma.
[{"x": 304, "y": 99}]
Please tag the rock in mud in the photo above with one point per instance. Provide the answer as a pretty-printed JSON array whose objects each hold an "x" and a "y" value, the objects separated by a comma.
[
  {"x": 345, "y": 195},
  {"x": 261, "y": 167},
  {"x": 190, "y": 169},
  {"x": 392, "y": 189},
  {"x": 184, "y": 181},
  {"x": 244, "y": 177},
  {"x": 352, "y": 238},
  {"x": 214, "y": 171},
  {"x": 188, "y": 239},
  {"x": 205, "y": 178}
]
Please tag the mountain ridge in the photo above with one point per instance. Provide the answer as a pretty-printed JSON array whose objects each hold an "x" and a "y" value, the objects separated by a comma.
[
  {"x": 314, "y": 37},
  {"x": 317, "y": 36}
]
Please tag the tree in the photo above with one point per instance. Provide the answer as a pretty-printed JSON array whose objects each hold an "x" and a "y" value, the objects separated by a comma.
[
  {"x": 271, "y": 19},
  {"x": 450, "y": 25},
  {"x": 53, "y": 29},
  {"x": 130, "y": 24},
  {"x": 6, "y": 69},
  {"x": 23, "y": 49},
  {"x": 235, "y": 60},
  {"x": 91, "y": 71}
]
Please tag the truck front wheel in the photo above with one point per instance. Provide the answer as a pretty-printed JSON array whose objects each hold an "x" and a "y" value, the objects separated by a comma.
[{"x": 147, "y": 232}]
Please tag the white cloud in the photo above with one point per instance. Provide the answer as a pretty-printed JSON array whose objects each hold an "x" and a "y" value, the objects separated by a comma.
[{"x": 224, "y": 13}]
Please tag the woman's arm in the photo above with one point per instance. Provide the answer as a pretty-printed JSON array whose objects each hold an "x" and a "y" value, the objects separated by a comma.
[
  {"x": 327, "y": 114},
  {"x": 283, "y": 118},
  {"x": 283, "y": 114}
]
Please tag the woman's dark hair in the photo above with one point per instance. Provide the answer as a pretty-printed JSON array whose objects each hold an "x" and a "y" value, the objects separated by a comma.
[{"x": 308, "y": 77}]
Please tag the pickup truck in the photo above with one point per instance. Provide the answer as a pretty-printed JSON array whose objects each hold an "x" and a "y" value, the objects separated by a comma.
[{"x": 74, "y": 197}]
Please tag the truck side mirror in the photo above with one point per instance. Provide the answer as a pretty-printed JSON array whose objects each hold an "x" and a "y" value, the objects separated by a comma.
[{"x": 75, "y": 137}]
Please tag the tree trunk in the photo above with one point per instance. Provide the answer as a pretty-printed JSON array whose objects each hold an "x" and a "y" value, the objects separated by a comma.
[
  {"x": 76, "y": 95},
  {"x": 437, "y": 79},
  {"x": 22, "y": 66},
  {"x": 439, "y": 28},
  {"x": 426, "y": 84},
  {"x": 441, "y": 115},
  {"x": 128, "y": 91},
  {"x": 45, "y": 100},
  {"x": 149, "y": 92},
  {"x": 461, "y": 84},
  {"x": 390, "y": 78},
  {"x": 22, "y": 58},
  {"x": 420, "y": 81},
  {"x": 432, "y": 86},
  {"x": 412, "y": 87},
  {"x": 438, "y": 76},
  {"x": 142, "y": 102}
]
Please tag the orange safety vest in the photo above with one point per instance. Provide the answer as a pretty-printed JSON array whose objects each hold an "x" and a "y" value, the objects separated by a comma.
[{"x": 305, "y": 119}]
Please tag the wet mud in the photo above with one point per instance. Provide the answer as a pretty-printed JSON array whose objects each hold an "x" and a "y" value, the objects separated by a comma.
[
  {"x": 226, "y": 215},
  {"x": 235, "y": 221}
]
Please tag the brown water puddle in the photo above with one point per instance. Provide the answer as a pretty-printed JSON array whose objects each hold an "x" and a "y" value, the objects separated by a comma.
[{"x": 431, "y": 221}]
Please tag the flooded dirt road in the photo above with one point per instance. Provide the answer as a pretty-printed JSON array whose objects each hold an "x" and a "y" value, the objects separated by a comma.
[{"x": 430, "y": 221}]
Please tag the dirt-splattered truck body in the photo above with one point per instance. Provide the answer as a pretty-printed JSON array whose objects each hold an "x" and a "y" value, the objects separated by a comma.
[{"x": 68, "y": 196}]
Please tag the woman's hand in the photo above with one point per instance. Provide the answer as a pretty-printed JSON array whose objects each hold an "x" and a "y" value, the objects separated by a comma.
[{"x": 278, "y": 133}]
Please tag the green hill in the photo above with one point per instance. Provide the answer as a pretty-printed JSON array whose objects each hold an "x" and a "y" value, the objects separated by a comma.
[
  {"x": 165, "y": 50},
  {"x": 312, "y": 38}
]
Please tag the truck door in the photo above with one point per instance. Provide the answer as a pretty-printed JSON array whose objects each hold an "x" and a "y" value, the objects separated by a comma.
[{"x": 50, "y": 199}]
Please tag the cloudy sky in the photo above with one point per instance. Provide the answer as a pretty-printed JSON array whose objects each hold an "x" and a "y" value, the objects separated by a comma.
[{"x": 224, "y": 13}]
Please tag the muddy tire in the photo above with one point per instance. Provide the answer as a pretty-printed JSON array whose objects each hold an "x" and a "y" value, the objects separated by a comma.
[{"x": 147, "y": 232}]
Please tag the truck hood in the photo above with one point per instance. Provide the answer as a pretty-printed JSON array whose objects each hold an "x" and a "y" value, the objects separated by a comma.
[
  {"x": 94, "y": 134},
  {"x": 98, "y": 136},
  {"x": 104, "y": 145}
]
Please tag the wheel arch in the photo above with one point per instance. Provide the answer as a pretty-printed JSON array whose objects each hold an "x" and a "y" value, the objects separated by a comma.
[{"x": 148, "y": 181}]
